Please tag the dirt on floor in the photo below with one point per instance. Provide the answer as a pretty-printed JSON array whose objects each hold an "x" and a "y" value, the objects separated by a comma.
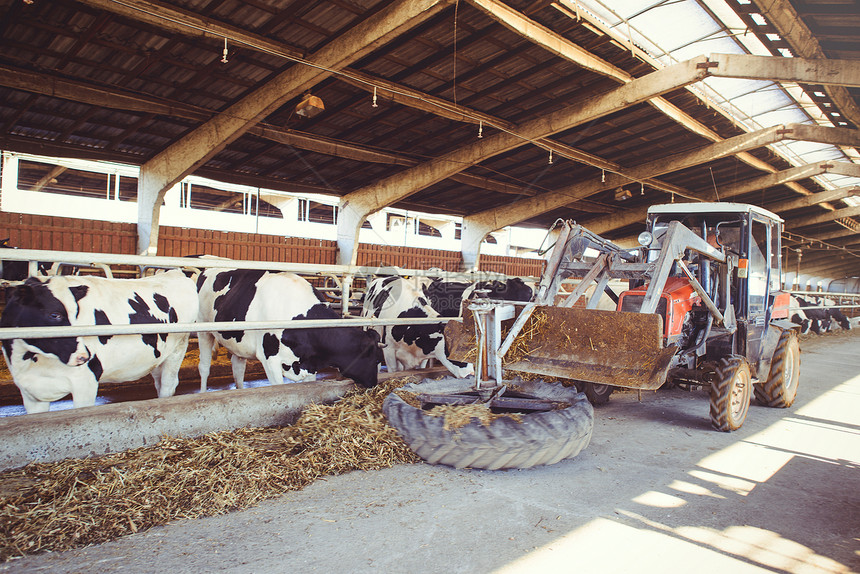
[{"x": 656, "y": 491}]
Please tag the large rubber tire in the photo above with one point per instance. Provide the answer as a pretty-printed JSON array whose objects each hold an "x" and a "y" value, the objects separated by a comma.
[
  {"x": 780, "y": 389},
  {"x": 731, "y": 392},
  {"x": 597, "y": 394},
  {"x": 541, "y": 438}
]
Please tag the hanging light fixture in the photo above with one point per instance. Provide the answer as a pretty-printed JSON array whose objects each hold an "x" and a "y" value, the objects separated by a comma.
[{"x": 310, "y": 106}]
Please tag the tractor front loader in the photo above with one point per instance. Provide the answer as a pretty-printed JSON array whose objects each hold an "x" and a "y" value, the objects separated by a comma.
[{"x": 703, "y": 307}]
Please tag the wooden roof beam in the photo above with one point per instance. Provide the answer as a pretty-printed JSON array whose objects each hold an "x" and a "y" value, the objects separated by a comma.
[
  {"x": 789, "y": 25},
  {"x": 475, "y": 227},
  {"x": 181, "y": 158},
  {"x": 801, "y": 222},
  {"x": 800, "y": 70},
  {"x": 359, "y": 204},
  {"x": 821, "y": 236},
  {"x": 605, "y": 224},
  {"x": 815, "y": 198}
]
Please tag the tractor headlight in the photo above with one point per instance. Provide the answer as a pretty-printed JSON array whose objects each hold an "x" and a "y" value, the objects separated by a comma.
[{"x": 645, "y": 238}]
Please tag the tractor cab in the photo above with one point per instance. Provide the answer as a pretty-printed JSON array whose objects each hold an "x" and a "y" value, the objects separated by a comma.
[
  {"x": 749, "y": 237},
  {"x": 748, "y": 233}
]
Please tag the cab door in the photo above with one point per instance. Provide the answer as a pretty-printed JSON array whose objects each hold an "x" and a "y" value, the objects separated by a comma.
[{"x": 759, "y": 280}]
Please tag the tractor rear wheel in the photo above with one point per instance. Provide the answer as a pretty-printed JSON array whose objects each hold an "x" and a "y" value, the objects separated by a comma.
[
  {"x": 731, "y": 392},
  {"x": 780, "y": 389}
]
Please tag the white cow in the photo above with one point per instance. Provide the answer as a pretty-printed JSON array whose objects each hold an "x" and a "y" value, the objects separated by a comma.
[{"x": 46, "y": 370}]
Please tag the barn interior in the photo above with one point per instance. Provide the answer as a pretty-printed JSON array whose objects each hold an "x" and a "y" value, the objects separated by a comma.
[{"x": 503, "y": 113}]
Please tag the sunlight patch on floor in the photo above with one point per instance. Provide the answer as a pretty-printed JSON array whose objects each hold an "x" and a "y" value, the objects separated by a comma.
[{"x": 826, "y": 431}]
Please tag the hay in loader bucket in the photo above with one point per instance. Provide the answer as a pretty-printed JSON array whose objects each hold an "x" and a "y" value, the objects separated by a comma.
[
  {"x": 605, "y": 347},
  {"x": 460, "y": 337},
  {"x": 77, "y": 502}
]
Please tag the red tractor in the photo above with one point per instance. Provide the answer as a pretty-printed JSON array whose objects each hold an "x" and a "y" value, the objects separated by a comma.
[{"x": 704, "y": 307}]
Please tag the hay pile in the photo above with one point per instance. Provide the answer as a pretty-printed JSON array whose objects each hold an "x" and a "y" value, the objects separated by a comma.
[
  {"x": 458, "y": 416},
  {"x": 522, "y": 344},
  {"x": 63, "y": 505}
]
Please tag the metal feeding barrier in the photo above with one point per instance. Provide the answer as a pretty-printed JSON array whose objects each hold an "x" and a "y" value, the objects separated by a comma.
[
  {"x": 158, "y": 328},
  {"x": 343, "y": 275},
  {"x": 853, "y": 297}
]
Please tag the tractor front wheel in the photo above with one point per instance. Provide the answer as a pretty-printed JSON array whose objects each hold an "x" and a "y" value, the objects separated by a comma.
[
  {"x": 780, "y": 389},
  {"x": 597, "y": 394},
  {"x": 731, "y": 392}
]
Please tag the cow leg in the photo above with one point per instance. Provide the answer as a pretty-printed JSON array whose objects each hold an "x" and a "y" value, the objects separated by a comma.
[
  {"x": 816, "y": 327},
  {"x": 33, "y": 405},
  {"x": 84, "y": 393},
  {"x": 205, "y": 343},
  {"x": 238, "y": 365},
  {"x": 389, "y": 354},
  {"x": 460, "y": 372},
  {"x": 166, "y": 375},
  {"x": 272, "y": 366}
]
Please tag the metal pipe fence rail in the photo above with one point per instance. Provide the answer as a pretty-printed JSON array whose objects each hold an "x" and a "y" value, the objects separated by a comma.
[
  {"x": 838, "y": 297},
  {"x": 158, "y": 262},
  {"x": 343, "y": 275},
  {"x": 158, "y": 328}
]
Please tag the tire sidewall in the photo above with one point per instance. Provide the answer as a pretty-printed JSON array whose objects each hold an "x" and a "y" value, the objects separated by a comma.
[{"x": 543, "y": 437}]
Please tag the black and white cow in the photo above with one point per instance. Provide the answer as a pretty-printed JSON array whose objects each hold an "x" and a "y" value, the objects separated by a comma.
[
  {"x": 797, "y": 315},
  {"x": 257, "y": 295},
  {"x": 46, "y": 370},
  {"x": 821, "y": 318},
  {"x": 513, "y": 289},
  {"x": 448, "y": 297},
  {"x": 408, "y": 346}
]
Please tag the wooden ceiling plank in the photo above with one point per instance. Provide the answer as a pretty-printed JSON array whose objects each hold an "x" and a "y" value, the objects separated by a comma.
[
  {"x": 359, "y": 204},
  {"x": 574, "y": 53}
]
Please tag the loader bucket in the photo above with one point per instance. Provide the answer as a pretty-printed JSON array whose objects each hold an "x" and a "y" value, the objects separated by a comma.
[{"x": 605, "y": 347}]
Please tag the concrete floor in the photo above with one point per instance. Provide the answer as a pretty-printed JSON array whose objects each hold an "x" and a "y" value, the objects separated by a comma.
[{"x": 656, "y": 491}]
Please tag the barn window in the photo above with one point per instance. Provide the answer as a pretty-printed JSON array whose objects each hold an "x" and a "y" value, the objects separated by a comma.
[
  {"x": 394, "y": 222},
  {"x": 315, "y": 212},
  {"x": 422, "y": 228},
  {"x": 34, "y": 176}
]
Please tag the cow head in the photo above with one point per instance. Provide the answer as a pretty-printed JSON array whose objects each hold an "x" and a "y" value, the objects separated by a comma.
[
  {"x": 35, "y": 304},
  {"x": 363, "y": 367}
]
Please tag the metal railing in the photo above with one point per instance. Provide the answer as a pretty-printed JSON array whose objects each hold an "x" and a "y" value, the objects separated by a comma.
[
  {"x": 157, "y": 328},
  {"x": 838, "y": 297}
]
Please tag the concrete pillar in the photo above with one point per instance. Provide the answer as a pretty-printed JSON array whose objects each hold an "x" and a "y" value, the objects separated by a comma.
[{"x": 472, "y": 236}]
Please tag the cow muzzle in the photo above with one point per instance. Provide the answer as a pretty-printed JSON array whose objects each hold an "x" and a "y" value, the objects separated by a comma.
[{"x": 79, "y": 358}]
